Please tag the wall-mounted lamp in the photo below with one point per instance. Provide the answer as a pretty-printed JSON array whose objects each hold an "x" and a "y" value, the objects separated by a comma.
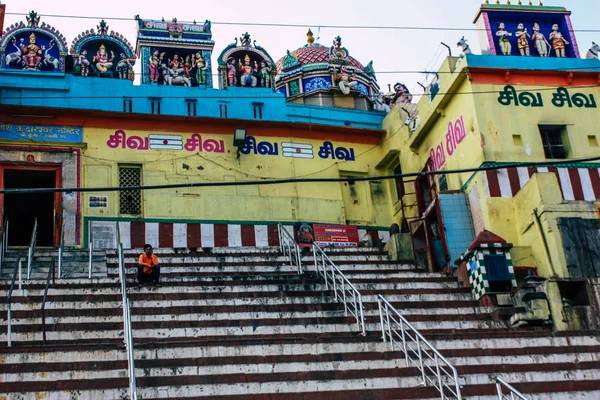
[
  {"x": 239, "y": 140},
  {"x": 239, "y": 137}
]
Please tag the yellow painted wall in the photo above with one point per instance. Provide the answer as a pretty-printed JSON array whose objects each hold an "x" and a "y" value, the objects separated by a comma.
[
  {"x": 498, "y": 133},
  {"x": 315, "y": 202},
  {"x": 499, "y": 123}
]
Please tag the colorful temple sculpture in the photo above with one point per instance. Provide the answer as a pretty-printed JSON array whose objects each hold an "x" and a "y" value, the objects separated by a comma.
[
  {"x": 175, "y": 54},
  {"x": 102, "y": 54},
  {"x": 245, "y": 65},
  {"x": 515, "y": 30},
  {"x": 529, "y": 98},
  {"x": 326, "y": 76},
  {"x": 32, "y": 46}
]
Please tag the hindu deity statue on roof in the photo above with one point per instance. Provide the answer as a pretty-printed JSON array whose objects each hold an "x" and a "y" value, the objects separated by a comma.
[
  {"x": 522, "y": 39},
  {"x": 103, "y": 62},
  {"x": 345, "y": 81},
  {"x": 540, "y": 42},
  {"x": 154, "y": 65},
  {"x": 248, "y": 78},
  {"x": 504, "y": 36},
  {"x": 32, "y": 54},
  {"x": 558, "y": 41},
  {"x": 200, "y": 69}
]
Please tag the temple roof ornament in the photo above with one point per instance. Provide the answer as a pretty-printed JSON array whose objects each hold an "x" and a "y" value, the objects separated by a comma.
[
  {"x": 33, "y": 19},
  {"x": 90, "y": 35}
]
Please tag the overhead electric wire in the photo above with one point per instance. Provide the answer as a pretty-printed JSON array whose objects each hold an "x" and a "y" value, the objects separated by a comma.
[
  {"x": 282, "y": 25},
  {"x": 301, "y": 180},
  {"x": 225, "y": 97}
]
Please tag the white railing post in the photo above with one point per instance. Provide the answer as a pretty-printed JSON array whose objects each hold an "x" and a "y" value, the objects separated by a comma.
[
  {"x": 90, "y": 260},
  {"x": 381, "y": 319},
  {"x": 362, "y": 315},
  {"x": 20, "y": 275},
  {"x": 9, "y": 328}
]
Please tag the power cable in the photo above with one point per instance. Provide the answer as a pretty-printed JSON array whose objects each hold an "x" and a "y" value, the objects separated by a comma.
[
  {"x": 282, "y": 25},
  {"x": 528, "y": 89},
  {"x": 301, "y": 180}
]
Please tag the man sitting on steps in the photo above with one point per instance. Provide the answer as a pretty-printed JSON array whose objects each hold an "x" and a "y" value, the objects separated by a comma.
[{"x": 148, "y": 267}]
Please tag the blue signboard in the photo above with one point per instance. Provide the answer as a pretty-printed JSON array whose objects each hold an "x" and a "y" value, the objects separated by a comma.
[{"x": 41, "y": 133}]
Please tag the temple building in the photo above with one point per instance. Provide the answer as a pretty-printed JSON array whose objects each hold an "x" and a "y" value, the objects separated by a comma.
[
  {"x": 73, "y": 118},
  {"x": 528, "y": 98}
]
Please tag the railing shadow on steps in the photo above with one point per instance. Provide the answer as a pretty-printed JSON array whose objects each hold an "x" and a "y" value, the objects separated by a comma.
[
  {"x": 127, "y": 330},
  {"x": 31, "y": 250},
  {"x": 435, "y": 369},
  {"x": 512, "y": 392},
  {"x": 9, "y": 297}
]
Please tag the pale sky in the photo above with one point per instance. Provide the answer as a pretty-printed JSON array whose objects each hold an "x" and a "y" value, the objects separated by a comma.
[{"x": 390, "y": 50}]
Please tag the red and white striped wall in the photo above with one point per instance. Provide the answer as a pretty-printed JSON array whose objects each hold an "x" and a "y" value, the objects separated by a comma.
[
  {"x": 134, "y": 234},
  {"x": 575, "y": 183}
]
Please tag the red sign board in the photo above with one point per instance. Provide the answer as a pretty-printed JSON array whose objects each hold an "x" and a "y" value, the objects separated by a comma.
[{"x": 337, "y": 235}]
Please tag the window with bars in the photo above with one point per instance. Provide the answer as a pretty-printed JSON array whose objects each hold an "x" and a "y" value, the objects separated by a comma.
[
  {"x": 399, "y": 183},
  {"x": 554, "y": 141},
  {"x": 130, "y": 200}
]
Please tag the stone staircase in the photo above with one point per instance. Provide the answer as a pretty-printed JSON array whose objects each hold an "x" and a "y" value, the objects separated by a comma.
[{"x": 240, "y": 323}]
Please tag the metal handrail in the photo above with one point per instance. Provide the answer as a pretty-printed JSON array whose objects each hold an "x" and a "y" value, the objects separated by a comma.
[
  {"x": 435, "y": 369},
  {"x": 50, "y": 273},
  {"x": 31, "y": 250},
  {"x": 61, "y": 246},
  {"x": 514, "y": 393},
  {"x": 127, "y": 330},
  {"x": 289, "y": 247},
  {"x": 343, "y": 289},
  {"x": 9, "y": 297},
  {"x": 91, "y": 249}
]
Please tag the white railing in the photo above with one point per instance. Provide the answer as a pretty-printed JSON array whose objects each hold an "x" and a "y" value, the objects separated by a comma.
[
  {"x": 8, "y": 300},
  {"x": 61, "y": 246},
  {"x": 343, "y": 289},
  {"x": 512, "y": 392},
  {"x": 435, "y": 369},
  {"x": 290, "y": 248},
  {"x": 31, "y": 250},
  {"x": 91, "y": 248},
  {"x": 127, "y": 330}
]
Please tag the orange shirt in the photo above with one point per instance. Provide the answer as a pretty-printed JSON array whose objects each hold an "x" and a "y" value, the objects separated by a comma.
[{"x": 148, "y": 262}]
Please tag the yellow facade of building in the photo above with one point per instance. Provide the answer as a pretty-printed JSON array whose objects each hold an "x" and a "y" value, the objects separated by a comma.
[
  {"x": 212, "y": 158},
  {"x": 495, "y": 133}
]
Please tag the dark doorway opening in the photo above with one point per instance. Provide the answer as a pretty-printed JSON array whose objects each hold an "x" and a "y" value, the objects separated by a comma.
[{"x": 23, "y": 208}]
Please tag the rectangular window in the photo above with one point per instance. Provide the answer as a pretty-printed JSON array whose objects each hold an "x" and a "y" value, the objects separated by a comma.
[
  {"x": 399, "y": 182},
  {"x": 223, "y": 110},
  {"x": 442, "y": 183},
  {"x": 257, "y": 110},
  {"x": 554, "y": 140},
  {"x": 155, "y": 104},
  {"x": 127, "y": 105},
  {"x": 191, "y": 107},
  {"x": 130, "y": 200}
]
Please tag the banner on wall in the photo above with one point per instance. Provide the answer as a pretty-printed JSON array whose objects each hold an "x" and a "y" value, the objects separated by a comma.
[{"x": 326, "y": 235}]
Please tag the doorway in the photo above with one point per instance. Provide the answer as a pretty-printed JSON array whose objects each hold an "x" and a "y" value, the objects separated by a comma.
[{"x": 21, "y": 209}]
